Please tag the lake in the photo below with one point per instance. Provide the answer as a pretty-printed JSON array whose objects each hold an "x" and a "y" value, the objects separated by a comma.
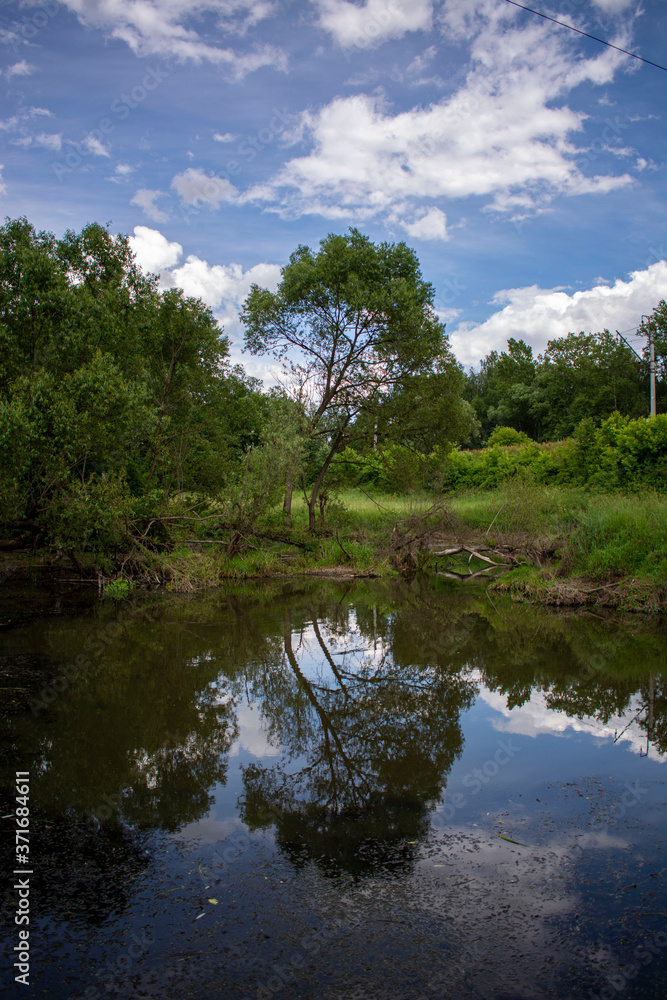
[{"x": 342, "y": 790}]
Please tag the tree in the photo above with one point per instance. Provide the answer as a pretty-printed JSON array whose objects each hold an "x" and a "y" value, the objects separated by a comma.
[
  {"x": 348, "y": 324},
  {"x": 587, "y": 375},
  {"x": 107, "y": 387}
]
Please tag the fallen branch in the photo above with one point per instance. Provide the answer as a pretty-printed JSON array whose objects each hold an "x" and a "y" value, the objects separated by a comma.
[
  {"x": 347, "y": 554},
  {"x": 473, "y": 552}
]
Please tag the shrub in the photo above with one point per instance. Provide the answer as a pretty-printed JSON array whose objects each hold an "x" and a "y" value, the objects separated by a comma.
[{"x": 507, "y": 436}]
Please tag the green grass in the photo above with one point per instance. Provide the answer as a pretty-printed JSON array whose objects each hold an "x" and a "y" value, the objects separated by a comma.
[
  {"x": 519, "y": 506},
  {"x": 604, "y": 537},
  {"x": 619, "y": 535}
]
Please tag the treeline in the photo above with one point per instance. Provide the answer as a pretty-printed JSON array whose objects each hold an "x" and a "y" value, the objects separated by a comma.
[
  {"x": 123, "y": 424},
  {"x": 578, "y": 376}
]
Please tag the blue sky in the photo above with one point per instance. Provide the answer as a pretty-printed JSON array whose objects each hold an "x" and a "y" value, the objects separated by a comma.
[{"x": 524, "y": 163}]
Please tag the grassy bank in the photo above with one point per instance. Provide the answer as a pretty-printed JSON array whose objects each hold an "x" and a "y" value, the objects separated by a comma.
[{"x": 576, "y": 547}]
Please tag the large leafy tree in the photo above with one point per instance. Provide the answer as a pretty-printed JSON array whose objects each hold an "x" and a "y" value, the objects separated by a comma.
[
  {"x": 349, "y": 324},
  {"x": 108, "y": 387}
]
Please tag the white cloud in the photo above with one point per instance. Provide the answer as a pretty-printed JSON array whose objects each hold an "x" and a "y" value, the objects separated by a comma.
[
  {"x": 195, "y": 187},
  {"x": 21, "y": 68},
  {"x": 428, "y": 225},
  {"x": 122, "y": 172},
  {"x": 614, "y": 6},
  {"x": 375, "y": 21},
  {"x": 222, "y": 287},
  {"x": 535, "y": 717},
  {"x": 222, "y": 284},
  {"x": 94, "y": 146},
  {"x": 506, "y": 135},
  {"x": 146, "y": 199},
  {"x": 153, "y": 251},
  {"x": 49, "y": 140},
  {"x": 224, "y": 137},
  {"x": 165, "y": 28},
  {"x": 538, "y": 315}
]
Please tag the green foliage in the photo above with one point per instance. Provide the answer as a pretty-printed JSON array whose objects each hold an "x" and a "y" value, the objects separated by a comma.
[
  {"x": 507, "y": 436},
  {"x": 109, "y": 389},
  {"x": 621, "y": 536},
  {"x": 360, "y": 323},
  {"x": 92, "y": 516},
  {"x": 119, "y": 589},
  {"x": 620, "y": 454},
  {"x": 579, "y": 376}
]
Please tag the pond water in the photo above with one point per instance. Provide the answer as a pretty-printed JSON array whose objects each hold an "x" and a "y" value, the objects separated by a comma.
[{"x": 334, "y": 790}]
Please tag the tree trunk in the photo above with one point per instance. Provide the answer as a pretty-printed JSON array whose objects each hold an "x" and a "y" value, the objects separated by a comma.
[
  {"x": 287, "y": 503},
  {"x": 323, "y": 471}
]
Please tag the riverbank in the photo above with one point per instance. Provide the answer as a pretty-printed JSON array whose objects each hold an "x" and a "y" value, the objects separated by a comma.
[{"x": 549, "y": 546}]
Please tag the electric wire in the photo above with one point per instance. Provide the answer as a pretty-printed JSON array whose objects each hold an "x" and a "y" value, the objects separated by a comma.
[{"x": 587, "y": 35}]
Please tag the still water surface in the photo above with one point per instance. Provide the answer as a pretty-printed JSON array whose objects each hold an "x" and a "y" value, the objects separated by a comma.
[{"x": 337, "y": 791}]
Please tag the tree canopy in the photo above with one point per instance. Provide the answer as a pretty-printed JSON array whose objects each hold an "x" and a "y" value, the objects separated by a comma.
[{"x": 349, "y": 324}]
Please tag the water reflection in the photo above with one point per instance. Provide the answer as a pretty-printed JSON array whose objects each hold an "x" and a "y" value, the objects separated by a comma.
[
  {"x": 374, "y": 736},
  {"x": 363, "y": 695}
]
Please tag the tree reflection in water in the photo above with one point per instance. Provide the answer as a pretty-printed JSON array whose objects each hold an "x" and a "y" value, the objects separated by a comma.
[{"x": 378, "y": 735}]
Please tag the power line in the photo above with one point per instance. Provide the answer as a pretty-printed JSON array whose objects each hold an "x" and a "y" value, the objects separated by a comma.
[{"x": 594, "y": 37}]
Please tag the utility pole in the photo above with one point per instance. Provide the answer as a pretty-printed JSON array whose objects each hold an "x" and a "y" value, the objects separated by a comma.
[{"x": 646, "y": 323}]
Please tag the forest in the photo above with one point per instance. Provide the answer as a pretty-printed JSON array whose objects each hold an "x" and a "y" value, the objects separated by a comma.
[{"x": 132, "y": 449}]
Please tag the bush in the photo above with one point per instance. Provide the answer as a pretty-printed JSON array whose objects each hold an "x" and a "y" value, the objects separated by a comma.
[{"x": 507, "y": 436}]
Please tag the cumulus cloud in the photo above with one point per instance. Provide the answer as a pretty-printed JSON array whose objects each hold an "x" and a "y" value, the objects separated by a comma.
[
  {"x": 121, "y": 173},
  {"x": 224, "y": 137},
  {"x": 47, "y": 140},
  {"x": 614, "y": 6},
  {"x": 146, "y": 199},
  {"x": 222, "y": 287},
  {"x": 428, "y": 225},
  {"x": 21, "y": 68},
  {"x": 195, "y": 187},
  {"x": 538, "y": 315},
  {"x": 94, "y": 146},
  {"x": 535, "y": 717},
  {"x": 506, "y": 136},
  {"x": 375, "y": 21},
  {"x": 153, "y": 251},
  {"x": 165, "y": 28}
]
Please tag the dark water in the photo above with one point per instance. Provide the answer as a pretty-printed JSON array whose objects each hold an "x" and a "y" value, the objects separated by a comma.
[{"x": 334, "y": 790}]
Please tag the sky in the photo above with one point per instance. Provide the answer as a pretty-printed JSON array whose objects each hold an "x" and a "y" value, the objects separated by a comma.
[{"x": 523, "y": 162}]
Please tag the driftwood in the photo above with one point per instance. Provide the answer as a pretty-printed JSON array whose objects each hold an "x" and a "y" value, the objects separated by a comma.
[
  {"x": 464, "y": 577},
  {"x": 477, "y": 553},
  {"x": 509, "y": 561}
]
